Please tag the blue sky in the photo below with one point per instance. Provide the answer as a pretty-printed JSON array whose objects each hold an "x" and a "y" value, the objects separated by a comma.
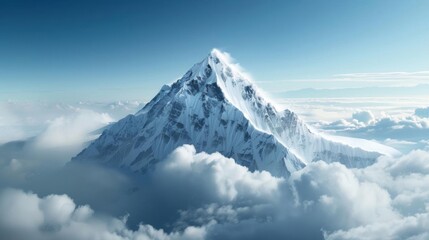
[{"x": 110, "y": 50}]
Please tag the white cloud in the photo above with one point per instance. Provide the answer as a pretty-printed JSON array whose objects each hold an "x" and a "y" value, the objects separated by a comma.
[
  {"x": 349, "y": 85},
  {"x": 72, "y": 130},
  {"x": 365, "y": 117},
  {"x": 220, "y": 174},
  {"x": 393, "y": 192},
  {"x": 21, "y": 120},
  {"x": 422, "y": 112},
  {"x": 335, "y": 194},
  {"x": 420, "y": 76},
  {"x": 321, "y": 196},
  {"x": 62, "y": 138},
  {"x": 315, "y": 110},
  {"x": 404, "y": 132},
  {"x": 407, "y": 181},
  {"x": 207, "y": 196},
  {"x": 19, "y": 211},
  {"x": 27, "y": 216},
  {"x": 385, "y": 77},
  {"x": 408, "y": 228}
]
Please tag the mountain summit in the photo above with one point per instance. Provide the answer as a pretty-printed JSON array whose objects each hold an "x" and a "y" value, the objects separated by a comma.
[{"x": 217, "y": 108}]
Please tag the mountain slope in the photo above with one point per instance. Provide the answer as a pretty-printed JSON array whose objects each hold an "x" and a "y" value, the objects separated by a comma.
[{"x": 215, "y": 107}]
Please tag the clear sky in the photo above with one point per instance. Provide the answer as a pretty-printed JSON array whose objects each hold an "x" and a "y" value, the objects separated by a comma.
[{"x": 111, "y": 50}]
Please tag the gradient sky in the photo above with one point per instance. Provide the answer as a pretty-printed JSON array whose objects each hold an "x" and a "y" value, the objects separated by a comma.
[{"x": 111, "y": 50}]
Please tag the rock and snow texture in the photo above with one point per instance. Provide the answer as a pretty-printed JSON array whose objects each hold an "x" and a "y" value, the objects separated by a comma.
[{"x": 216, "y": 108}]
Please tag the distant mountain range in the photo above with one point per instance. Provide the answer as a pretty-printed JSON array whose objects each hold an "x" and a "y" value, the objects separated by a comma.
[{"x": 414, "y": 91}]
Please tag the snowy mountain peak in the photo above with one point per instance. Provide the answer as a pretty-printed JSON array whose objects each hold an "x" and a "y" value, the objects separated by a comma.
[
  {"x": 216, "y": 65},
  {"x": 216, "y": 53},
  {"x": 235, "y": 86},
  {"x": 216, "y": 107},
  {"x": 219, "y": 57}
]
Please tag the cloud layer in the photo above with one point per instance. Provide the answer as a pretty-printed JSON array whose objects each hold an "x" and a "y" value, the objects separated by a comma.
[
  {"x": 405, "y": 132},
  {"x": 194, "y": 195},
  {"x": 406, "y": 180},
  {"x": 27, "y": 216},
  {"x": 21, "y": 120}
]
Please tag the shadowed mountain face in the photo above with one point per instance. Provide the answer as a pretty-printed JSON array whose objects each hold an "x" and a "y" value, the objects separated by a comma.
[{"x": 216, "y": 108}]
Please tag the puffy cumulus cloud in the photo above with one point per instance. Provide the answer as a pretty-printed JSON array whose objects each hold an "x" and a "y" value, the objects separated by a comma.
[
  {"x": 363, "y": 116},
  {"x": 194, "y": 195},
  {"x": 27, "y": 216},
  {"x": 342, "y": 125},
  {"x": 198, "y": 188},
  {"x": 346, "y": 203},
  {"x": 365, "y": 122},
  {"x": 188, "y": 184},
  {"x": 222, "y": 175},
  {"x": 321, "y": 196},
  {"x": 358, "y": 119},
  {"x": 407, "y": 228},
  {"x": 404, "y": 132},
  {"x": 406, "y": 180},
  {"x": 422, "y": 112},
  {"x": 184, "y": 185},
  {"x": 334, "y": 192}
]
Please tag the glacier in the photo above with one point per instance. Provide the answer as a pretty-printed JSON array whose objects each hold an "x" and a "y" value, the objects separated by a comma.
[{"x": 216, "y": 107}]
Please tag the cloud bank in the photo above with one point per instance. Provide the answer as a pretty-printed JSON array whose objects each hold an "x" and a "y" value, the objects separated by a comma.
[
  {"x": 27, "y": 216},
  {"x": 22, "y": 120},
  {"x": 422, "y": 112},
  {"x": 194, "y": 195},
  {"x": 405, "y": 132}
]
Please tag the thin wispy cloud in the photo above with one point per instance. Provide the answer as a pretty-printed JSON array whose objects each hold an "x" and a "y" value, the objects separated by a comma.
[{"x": 385, "y": 77}]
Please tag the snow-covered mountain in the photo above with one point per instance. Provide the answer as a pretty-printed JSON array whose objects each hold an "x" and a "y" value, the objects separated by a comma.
[{"x": 216, "y": 108}]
